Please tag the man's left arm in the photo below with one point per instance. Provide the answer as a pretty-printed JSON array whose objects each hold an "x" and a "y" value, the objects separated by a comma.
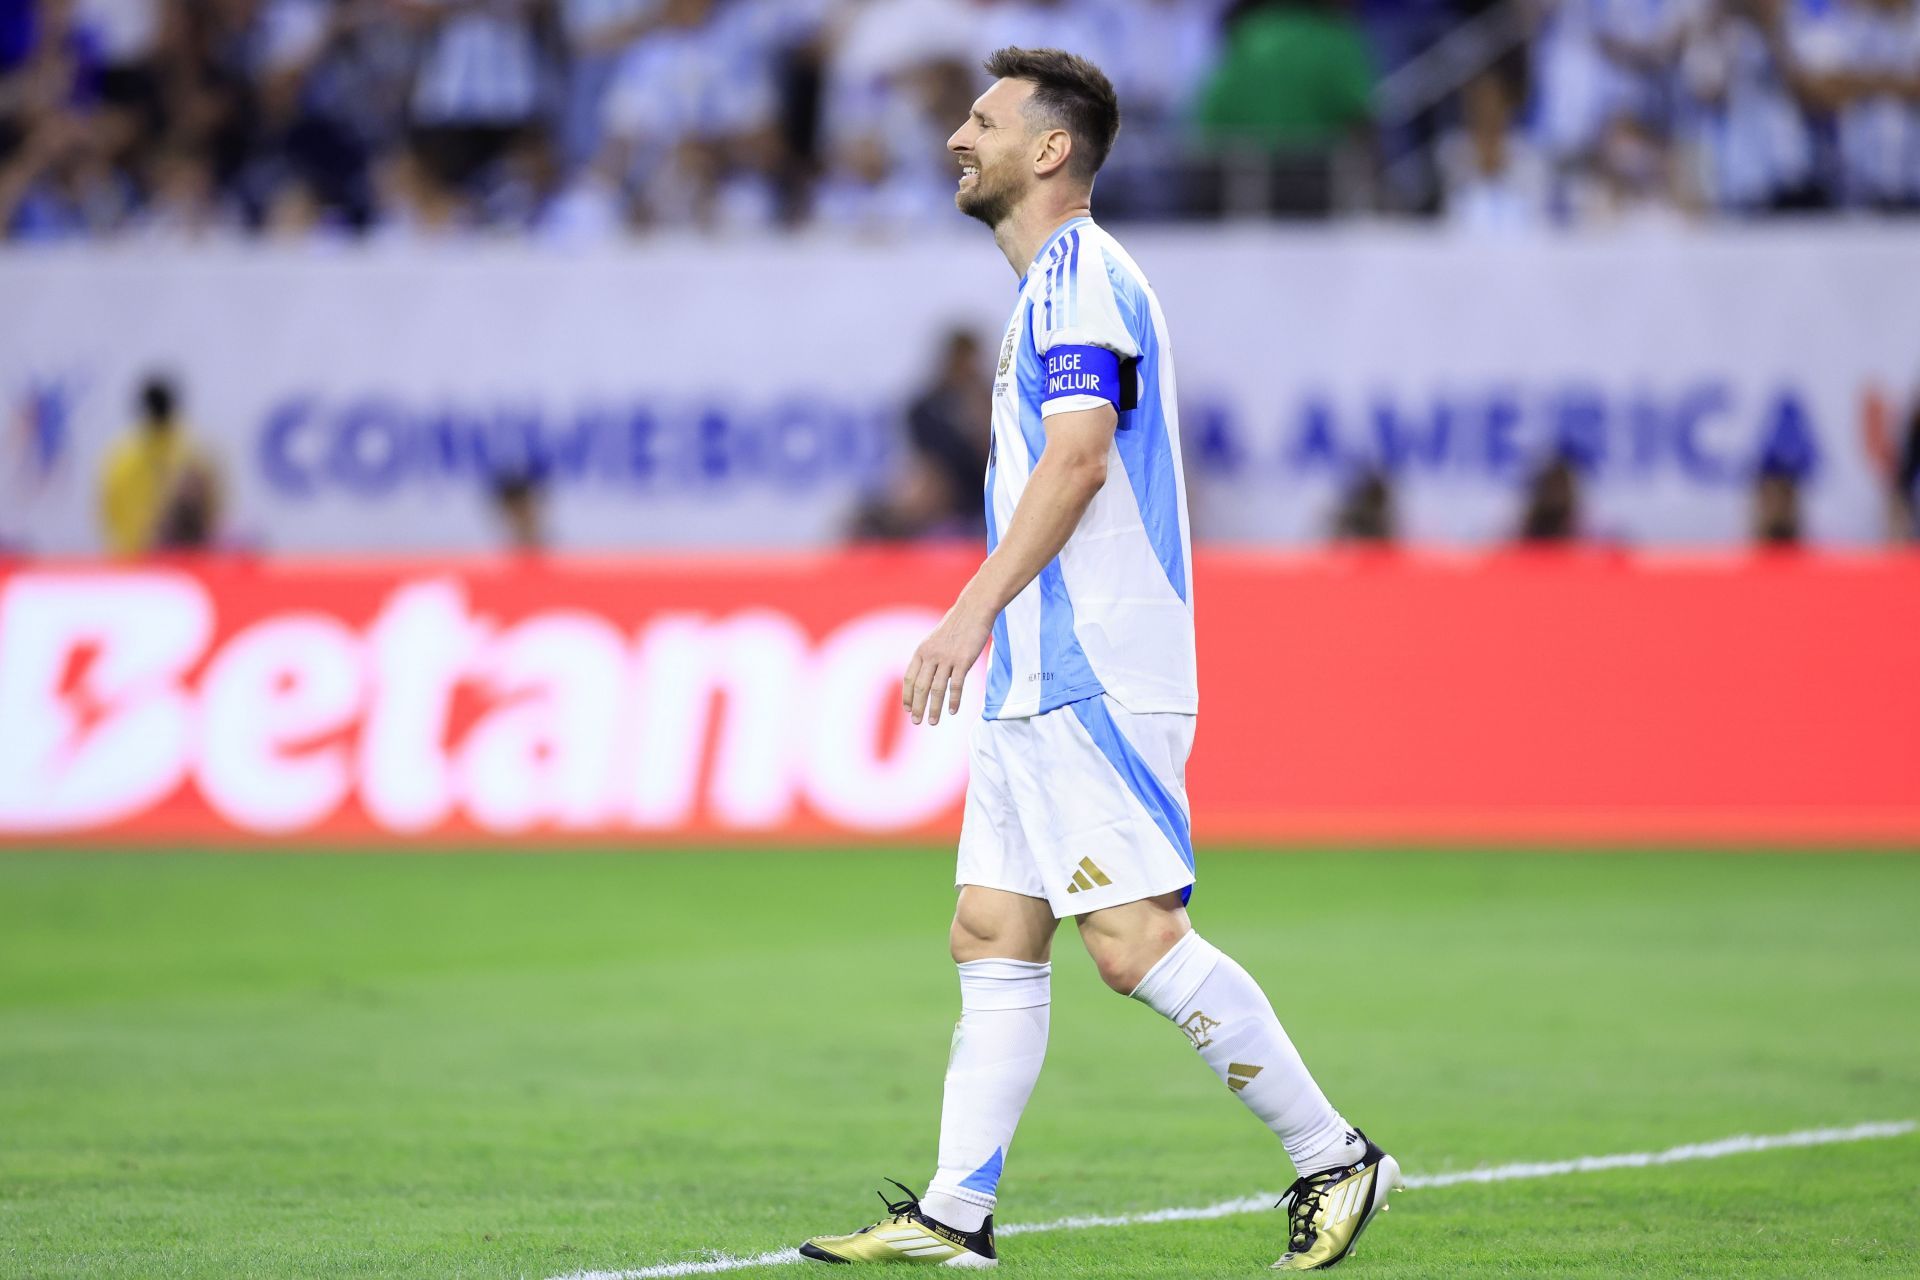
[{"x": 1071, "y": 469}]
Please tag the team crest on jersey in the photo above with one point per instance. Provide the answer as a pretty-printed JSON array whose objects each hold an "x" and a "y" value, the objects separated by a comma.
[{"x": 1006, "y": 351}]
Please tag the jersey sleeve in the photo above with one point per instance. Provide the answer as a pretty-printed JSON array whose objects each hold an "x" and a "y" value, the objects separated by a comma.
[{"x": 1080, "y": 331}]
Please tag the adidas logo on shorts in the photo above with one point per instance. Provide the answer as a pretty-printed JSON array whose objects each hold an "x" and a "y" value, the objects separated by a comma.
[{"x": 1087, "y": 877}]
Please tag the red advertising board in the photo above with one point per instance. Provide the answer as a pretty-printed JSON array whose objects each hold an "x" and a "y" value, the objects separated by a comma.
[{"x": 1517, "y": 697}]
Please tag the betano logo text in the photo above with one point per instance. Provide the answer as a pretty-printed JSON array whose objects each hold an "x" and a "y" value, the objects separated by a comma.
[{"x": 121, "y": 692}]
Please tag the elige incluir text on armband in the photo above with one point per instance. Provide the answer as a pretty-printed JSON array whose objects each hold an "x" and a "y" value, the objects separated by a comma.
[{"x": 1083, "y": 371}]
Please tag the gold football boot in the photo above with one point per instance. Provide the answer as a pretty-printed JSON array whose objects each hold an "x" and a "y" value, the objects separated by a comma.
[
  {"x": 1327, "y": 1211},
  {"x": 907, "y": 1235}
]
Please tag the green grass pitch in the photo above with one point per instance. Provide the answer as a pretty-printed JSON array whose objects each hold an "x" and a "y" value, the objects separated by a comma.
[{"x": 490, "y": 1065}]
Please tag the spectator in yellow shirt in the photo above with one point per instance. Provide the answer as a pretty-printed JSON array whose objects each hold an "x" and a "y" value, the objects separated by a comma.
[{"x": 158, "y": 488}]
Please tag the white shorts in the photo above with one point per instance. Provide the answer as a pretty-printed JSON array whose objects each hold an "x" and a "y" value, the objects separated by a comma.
[{"x": 1085, "y": 806}]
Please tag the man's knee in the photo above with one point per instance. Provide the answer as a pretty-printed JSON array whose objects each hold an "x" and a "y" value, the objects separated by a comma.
[
  {"x": 1126, "y": 942},
  {"x": 1118, "y": 968},
  {"x": 972, "y": 937},
  {"x": 986, "y": 926},
  {"x": 1125, "y": 963}
]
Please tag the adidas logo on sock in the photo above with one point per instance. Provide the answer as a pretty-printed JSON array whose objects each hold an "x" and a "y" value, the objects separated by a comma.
[
  {"x": 1087, "y": 877},
  {"x": 1240, "y": 1075}
]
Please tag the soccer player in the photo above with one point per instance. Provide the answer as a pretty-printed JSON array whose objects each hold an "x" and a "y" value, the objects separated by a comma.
[{"x": 1076, "y": 797}]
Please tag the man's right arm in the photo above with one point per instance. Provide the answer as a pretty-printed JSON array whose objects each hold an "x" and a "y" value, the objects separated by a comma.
[{"x": 1071, "y": 469}]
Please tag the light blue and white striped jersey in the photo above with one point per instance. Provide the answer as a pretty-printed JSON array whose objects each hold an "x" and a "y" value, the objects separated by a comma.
[
  {"x": 1879, "y": 132},
  {"x": 480, "y": 67},
  {"x": 1113, "y": 612}
]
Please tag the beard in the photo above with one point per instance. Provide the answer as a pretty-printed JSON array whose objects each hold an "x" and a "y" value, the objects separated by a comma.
[{"x": 990, "y": 202}]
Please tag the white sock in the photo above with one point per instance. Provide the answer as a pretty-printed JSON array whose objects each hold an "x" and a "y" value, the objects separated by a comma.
[
  {"x": 1229, "y": 1020},
  {"x": 998, "y": 1047}
]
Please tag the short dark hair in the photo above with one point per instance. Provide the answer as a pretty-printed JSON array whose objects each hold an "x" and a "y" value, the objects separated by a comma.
[
  {"x": 1072, "y": 94},
  {"x": 158, "y": 398},
  {"x": 519, "y": 482}
]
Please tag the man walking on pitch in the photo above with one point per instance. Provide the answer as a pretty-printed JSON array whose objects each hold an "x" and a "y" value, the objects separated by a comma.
[{"x": 1076, "y": 797}]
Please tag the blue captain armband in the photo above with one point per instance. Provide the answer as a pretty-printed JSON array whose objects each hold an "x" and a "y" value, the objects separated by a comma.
[{"x": 1082, "y": 371}]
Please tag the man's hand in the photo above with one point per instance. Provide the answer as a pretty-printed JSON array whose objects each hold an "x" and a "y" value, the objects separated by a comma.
[{"x": 939, "y": 668}]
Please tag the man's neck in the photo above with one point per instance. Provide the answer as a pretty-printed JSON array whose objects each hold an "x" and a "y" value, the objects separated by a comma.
[{"x": 1025, "y": 231}]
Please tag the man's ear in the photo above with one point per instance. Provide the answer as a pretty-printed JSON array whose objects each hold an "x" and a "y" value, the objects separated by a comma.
[{"x": 1054, "y": 151}]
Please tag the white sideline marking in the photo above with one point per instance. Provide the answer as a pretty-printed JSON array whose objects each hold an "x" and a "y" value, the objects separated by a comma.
[{"x": 1739, "y": 1145}]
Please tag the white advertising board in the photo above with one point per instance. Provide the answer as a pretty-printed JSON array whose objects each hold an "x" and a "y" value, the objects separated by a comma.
[{"x": 683, "y": 393}]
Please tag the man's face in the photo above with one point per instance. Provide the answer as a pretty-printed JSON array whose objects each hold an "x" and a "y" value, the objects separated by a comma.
[{"x": 994, "y": 148}]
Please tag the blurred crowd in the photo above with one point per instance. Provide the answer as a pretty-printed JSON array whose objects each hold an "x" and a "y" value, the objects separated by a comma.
[
  {"x": 1630, "y": 110},
  {"x": 566, "y": 119},
  {"x": 578, "y": 120}
]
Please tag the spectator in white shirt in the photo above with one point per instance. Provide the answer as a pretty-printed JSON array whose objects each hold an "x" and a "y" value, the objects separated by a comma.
[
  {"x": 874, "y": 50},
  {"x": 694, "y": 107},
  {"x": 1163, "y": 51},
  {"x": 866, "y": 192},
  {"x": 127, "y": 34},
  {"x": 1572, "y": 78},
  {"x": 596, "y": 34},
  {"x": 589, "y": 207},
  {"x": 415, "y": 207},
  {"x": 1493, "y": 179},
  {"x": 1637, "y": 181},
  {"x": 478, "y": 86},
  {"x": 1755, "y": 145},
  {"x": 899, "y": 73},
  {"x": 1864, "y": 66}
]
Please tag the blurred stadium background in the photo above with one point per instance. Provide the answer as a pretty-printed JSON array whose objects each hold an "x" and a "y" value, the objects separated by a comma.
[{"x": 533, "y": 425}]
